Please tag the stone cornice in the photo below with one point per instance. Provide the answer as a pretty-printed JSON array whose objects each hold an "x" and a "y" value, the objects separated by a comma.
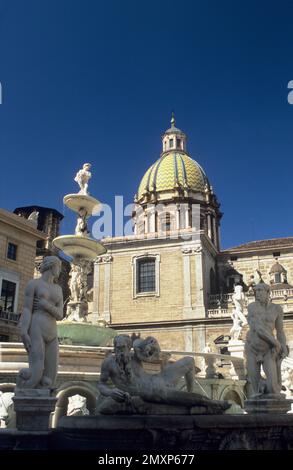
[{"x": 22, "y": 224}]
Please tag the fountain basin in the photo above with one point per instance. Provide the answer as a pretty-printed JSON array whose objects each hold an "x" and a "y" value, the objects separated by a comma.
[
  {"x": 85, "y": 334},
  {"x": 76, "y": 202},
  {"x": 78, "y": 246}
]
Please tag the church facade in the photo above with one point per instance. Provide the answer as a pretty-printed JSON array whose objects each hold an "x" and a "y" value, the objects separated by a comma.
[{"x": 170, "y": 278}]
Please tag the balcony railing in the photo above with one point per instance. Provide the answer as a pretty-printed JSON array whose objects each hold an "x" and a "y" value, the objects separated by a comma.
[
  {"x": 219, "y": 313},
  {"x": 9, "y": 317},
  {"x": 282, "y": 294},
  {"x": 217, "y": 300}
]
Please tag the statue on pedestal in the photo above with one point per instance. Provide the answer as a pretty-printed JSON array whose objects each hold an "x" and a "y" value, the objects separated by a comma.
[
  {"x": 262, "y": 347},
  {"x": 138, "y": 392},
  {"x": 238, "y": 316},
  {"x": 82, "y": 178},
  {"x": 43, "y": 305}
]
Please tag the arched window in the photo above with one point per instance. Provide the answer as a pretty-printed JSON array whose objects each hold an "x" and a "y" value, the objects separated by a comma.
[{"x": 146, "y": 275}]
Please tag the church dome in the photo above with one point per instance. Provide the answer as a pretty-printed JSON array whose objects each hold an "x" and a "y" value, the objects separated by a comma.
[
  {"x": 174, "y": 174},
  {"x": 173, "y": 170}
]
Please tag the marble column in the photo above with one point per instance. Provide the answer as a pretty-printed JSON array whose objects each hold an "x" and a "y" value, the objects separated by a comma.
[
  {"x": 209, "y": 225},
  {"x": 106, "y": 261},
  {"x": 96, "y": 291},
  {"x": 199, "y": 283},
  {"x": 187, "y": 307},
  {"x": 214, "y": 231}
]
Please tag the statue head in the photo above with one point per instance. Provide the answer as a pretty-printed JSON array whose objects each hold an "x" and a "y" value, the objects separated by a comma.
[
  {"x": 51, "y": 263},
  {"x": 147, "y": 349},
  {"x": 86, "y": 166},
  {"x": 122, "y": 345},
  {"x": 122, "y": 349},
  {"x": 262, "y": 292}
]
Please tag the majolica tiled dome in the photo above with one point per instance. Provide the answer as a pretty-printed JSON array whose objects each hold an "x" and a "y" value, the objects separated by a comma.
[{"x": 174, "y": 170}]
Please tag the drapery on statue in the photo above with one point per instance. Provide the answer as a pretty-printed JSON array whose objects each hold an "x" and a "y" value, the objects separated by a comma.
[
  {"x": 135, "y": 389},
  {"x": 82, "y": 178},
  {"x": 262, "y": 348},
  {"x": 43, "y": 305}
]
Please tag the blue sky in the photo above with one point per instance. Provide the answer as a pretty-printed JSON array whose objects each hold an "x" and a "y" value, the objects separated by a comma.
[{"x": 96, "y": 81}]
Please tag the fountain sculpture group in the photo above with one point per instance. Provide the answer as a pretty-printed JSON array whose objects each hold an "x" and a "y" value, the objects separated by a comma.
[{"x": 135, "y": 391}]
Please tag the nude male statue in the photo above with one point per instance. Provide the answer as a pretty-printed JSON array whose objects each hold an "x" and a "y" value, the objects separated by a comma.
[
  {"x": 82, "y": 178},
  {"x": 135, "y": 388},
  {"x": 262, "y": 347},
  {"x": 43, "y": 305}
]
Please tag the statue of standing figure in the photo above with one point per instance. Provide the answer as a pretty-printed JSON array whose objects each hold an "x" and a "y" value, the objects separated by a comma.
[
  {"x": 238, "y": 316},
  {"x": 82, "y": 178},
  {"x": 43, "y": 305},
  {"x": 262, "y": 347},
  {"x": 81, "y": 228}
]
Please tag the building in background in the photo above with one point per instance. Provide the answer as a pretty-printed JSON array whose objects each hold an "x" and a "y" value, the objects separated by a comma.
[
  {"x": 171, "y": 279},
  {"x": 48, "y": 220},
  {"x": 18, "y": 239}
]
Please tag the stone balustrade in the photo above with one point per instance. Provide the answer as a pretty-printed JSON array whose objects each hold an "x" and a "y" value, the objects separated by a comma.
[
  {"x": 211, "y": 360},
  {"x": 219, "y": 313},
  {"x": 221, "y": 305}
]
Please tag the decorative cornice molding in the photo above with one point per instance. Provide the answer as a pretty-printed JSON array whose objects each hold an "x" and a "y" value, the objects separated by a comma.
[{"x": 104, "y": 259}]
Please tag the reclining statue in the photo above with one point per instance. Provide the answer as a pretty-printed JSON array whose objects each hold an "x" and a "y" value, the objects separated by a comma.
[{"x": 135, "y": 389}]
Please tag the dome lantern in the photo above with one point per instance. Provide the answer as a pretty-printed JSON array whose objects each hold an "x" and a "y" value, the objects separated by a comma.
[{"x": 173, "y": 138}]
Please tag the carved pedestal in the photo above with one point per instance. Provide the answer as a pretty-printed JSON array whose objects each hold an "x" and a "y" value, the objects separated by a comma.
[
  {"x": 33, "y": 408},
  {"x": 236, "y": 349}
]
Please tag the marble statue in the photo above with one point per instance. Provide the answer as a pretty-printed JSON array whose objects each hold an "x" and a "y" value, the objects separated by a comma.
[
  {"x": 75, "y": 282},
  {"x": 238, "y": 316},
  {"x": 33, "y": 217},
  {"x": 43, "y": 305},
  {"x": 207, "y": 349},
  {"x": 77, "y": 406},
  {"x": 263, "y": 347},
  {"x": 287, "y": 381},
  {"x": 81, "y": 228},
  {"x": 7, "y": 415},
  {"x": 82, "y": 178},
  {"x": 135, "y": 390}
]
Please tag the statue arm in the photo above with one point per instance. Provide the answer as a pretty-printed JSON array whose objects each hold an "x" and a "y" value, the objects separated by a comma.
[
  {"x": 104, "y": 389},
  {"x": 280, "y": 332},
  {"x": 55, "y": 310},
  {"x": 266, "y": 336},
  {"x": 26, "y": 317},
  {"x": 107, "y": 391},
  {"x": 257, "y": 326}
]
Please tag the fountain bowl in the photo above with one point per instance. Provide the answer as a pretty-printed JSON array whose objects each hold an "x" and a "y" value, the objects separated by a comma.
[{"x": 79, "y": 247}]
